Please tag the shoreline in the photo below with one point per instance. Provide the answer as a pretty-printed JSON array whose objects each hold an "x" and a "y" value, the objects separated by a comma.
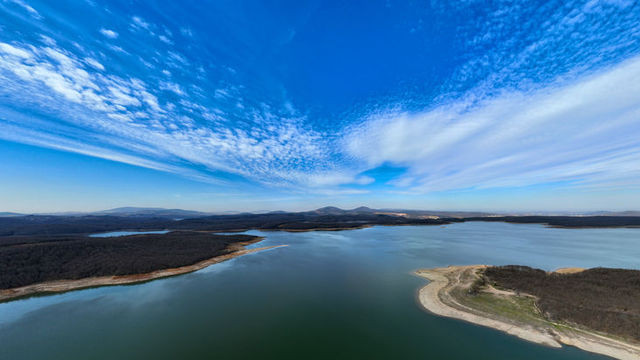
[
  {"x": 591, "y": 227},
  {"x": 61, "y": 286},
  {"x": 365, "y": 226},
  {"x": 436, "y": 298}
]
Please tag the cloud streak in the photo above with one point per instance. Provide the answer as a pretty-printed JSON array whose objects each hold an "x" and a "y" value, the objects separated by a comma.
[{"x": 585, "y": 132}]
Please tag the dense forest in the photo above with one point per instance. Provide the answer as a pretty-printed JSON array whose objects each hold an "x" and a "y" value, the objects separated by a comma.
[
  {"x": 601, "y": 299},
  {"x": 80, "y": 257},
  {"x": 48, "y": 225}
]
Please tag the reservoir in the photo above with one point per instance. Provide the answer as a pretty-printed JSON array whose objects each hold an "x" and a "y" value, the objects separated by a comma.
[
  {"x": 126, "y": 233},
  {"x": 328, "y": 295}
]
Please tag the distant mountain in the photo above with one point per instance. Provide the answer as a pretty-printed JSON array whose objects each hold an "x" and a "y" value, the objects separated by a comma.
[
  {"x": 363, "y": 210},
  {"x": 9, "y": 214},
  {"x": 151, "y": 212},
  {"x": 329, "y": 210}
]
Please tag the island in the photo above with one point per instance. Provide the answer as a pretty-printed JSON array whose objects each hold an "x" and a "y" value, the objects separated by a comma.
[
  {"x": 36, "y": 265},
  {"x": 596, "y": 310}
]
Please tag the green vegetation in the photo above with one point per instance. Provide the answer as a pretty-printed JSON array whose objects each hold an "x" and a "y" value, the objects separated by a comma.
[{"x": 517, "y": 308}]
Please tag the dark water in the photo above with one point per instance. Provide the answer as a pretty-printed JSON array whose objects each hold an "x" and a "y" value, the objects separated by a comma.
[
  {"x": 125, "y": 233},
  {"x": 329, "y": 295}
]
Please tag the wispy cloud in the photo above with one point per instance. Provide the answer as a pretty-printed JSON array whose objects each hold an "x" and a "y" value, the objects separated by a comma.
[
  {"x": 29, "y": 9},
  {"x": 585, "y": 132},
  {"x": 544, "y": 94},
  {"x": 109, "y": 33},
  {"x": 186, "y": 32},
  {"x": 165, "y": 40},
  {"x": 524, "y": 45},
  {"x": 138, "y": 22},
  {"x": 94, "y": 63}
]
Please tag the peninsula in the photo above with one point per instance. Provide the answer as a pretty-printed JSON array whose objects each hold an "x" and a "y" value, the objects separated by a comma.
[
  {"x": 595, "y": 310},
  {"x": 64, "y": 263}
]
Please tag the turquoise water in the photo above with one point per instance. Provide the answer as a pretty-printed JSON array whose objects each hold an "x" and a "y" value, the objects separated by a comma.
[
  {"x": 125, "y": 233},
  {"x": 328, "y": 295}
]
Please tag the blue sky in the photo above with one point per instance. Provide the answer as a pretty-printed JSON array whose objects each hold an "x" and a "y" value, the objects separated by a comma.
[{"x": 258, "y": 105}]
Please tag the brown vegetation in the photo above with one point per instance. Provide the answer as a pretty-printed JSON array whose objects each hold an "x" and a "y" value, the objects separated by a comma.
[
  {"x": 601, "y": 299},
  {"x": 83, "y": 257}
]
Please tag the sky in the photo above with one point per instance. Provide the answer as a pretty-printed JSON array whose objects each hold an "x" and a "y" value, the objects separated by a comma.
[{"x": 291, "y": 105}]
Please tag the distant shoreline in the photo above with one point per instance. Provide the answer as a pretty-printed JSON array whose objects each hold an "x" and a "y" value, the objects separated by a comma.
[
  {"x": 591, "y": 227},
  {"x": 14, "y": 230},
  {"x": 441, "y": 296},
  {"x": 60, "y": 286}
]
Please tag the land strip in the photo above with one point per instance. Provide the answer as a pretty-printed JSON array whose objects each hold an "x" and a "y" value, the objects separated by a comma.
[
  {"x": 59, "y": 286},
  {"x": 63, "y": 263},
  {"x": 460, "y": 292}
]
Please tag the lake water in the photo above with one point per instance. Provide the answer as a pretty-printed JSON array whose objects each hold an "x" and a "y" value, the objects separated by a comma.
[
  {"x": 125, "y": 233},
  {"x": 328, "y": 295}
]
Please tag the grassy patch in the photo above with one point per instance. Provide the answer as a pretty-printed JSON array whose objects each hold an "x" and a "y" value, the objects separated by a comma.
[{"x": 515, "y": 308}]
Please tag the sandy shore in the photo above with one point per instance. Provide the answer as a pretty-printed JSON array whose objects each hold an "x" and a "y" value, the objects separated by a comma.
[
  {"x": 68, "y": 285},
  {"x": 437, "y": 298}
]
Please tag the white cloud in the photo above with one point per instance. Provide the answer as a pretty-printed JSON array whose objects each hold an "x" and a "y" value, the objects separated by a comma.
[
  {"x": 123, "y": 119},
  {"x": 177, "y": 60},
  {"x": 94, "y": 63},
  {"x": 173, "y": 87},
  {"x": 138, "y": 22},
  {"x": 14, "y": 51},
  {"x": 109, "y": 33},
  {"x": 118, "y": 49},
  {"x": 186, "y": 31},
  {"x": 49, "y": 41},
  {"x": 165, "y": 40},
  {"x": 586, "y": 132},
  {"x": 33, "y": 12}
]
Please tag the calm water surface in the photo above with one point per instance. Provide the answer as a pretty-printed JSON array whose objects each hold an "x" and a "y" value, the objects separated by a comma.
[
  {"x": 329, "y": 295},
  {"x": 125, "y": 233}
]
